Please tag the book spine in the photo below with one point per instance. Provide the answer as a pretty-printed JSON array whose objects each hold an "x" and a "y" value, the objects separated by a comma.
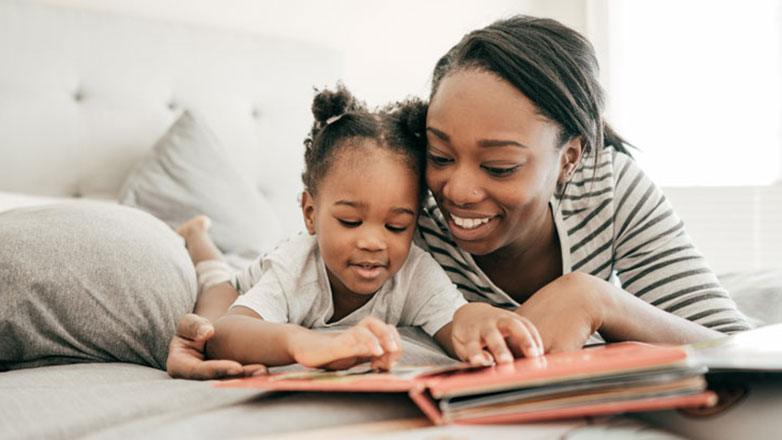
[{"x": 427, "y": 405}]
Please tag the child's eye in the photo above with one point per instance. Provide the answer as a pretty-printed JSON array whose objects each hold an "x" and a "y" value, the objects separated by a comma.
[
  {"x": 349, "y": 224},
  {"x": 500, "y": 171},
  {"x": 438, "y": 160},
  {"x": 396, "y": 228}
]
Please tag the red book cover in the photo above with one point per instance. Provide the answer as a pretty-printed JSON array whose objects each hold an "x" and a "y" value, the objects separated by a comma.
[{"x": 612, "y": 378}]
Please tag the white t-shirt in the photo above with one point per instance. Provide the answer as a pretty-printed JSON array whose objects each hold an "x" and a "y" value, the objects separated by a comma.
[{"x": 290, "y": 285}]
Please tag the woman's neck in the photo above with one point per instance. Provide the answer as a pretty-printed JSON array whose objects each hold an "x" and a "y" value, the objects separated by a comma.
[{"x": 523, "y": 267}]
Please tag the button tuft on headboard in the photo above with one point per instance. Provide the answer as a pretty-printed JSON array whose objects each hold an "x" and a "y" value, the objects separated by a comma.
[
  {"x": 172, "y": 105},
  {"x": 78, "y": 95},
  {"x": 255, "y": 113}
]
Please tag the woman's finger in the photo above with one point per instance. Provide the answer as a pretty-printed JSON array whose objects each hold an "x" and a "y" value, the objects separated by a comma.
[
  {"x": 533, "y": 330},
  {"x": 204, "y": 370},
  {"x": 473, "y": 351},
  {"x": 194, "y": 327},
  {"x": 495, "y": 343},
  {"x": 255, "y": 370},
  {"x": 521, "y": 336}
]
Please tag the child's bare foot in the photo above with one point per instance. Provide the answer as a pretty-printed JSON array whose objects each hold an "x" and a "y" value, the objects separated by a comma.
[{"x": 197, "y": 224}]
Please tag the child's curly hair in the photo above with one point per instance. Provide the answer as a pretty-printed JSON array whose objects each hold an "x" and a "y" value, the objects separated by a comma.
[{"x": 342, "y": 121}]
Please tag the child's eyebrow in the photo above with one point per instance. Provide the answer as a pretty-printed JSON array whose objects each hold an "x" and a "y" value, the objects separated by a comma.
[
  {"x": 403, "y": 211},
  {"x": 360, "y": 205},
  {"x": 351, "y": 203}
]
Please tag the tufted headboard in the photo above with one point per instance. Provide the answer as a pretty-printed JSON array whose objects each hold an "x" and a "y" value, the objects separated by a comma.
[{"x": 84, "y": 95}]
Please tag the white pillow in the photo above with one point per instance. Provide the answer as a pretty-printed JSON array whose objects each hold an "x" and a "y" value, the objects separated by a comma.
[
  {"x": 188, "y": 173},
  {"x": 10, "y": 200}
]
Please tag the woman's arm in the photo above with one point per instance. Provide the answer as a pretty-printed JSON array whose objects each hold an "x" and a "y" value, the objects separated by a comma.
[
  {"x": 186, "y": 350},
  {"x": 186, "y": 356},
  {"x": 570, "y": 309},
  {"x": 242, "y": 335},
  {"x": 656, "y": 261}
]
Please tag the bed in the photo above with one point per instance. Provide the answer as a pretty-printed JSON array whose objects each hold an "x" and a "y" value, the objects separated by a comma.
[{"x": 102, "y": 114}]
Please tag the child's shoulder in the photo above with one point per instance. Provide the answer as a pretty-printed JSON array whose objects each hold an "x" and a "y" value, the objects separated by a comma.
[
  {"x": 293, "y": 252},
  {"x": 418, "y": 260}
]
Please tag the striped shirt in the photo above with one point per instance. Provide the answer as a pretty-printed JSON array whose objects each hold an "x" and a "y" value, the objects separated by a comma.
[{"x": 613, "y": 222}]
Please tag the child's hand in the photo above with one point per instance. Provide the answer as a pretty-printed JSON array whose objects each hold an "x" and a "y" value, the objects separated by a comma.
[
  {"x": 482, "y": 334},
  {"x": 370, "y": 340}
]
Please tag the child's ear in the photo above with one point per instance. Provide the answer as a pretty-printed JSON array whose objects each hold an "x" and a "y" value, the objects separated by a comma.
[{"x": 308, "y": 210}]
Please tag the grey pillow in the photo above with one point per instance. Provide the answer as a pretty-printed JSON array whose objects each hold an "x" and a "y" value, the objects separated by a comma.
[
  {"x": 758, "y": 294},
  {"x": 188, "y": 173},
  {"x": 89, "y": 282}
]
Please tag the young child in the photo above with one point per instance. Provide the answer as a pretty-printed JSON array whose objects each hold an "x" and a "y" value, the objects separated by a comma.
[{"x": 363, "y": 183}]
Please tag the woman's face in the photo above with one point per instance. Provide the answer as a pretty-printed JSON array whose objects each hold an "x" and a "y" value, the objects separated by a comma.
[{"x": 493, "y": 162}]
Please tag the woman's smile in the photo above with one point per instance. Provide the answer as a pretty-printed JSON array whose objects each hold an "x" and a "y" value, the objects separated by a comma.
[{"x": 470, "y": 226}]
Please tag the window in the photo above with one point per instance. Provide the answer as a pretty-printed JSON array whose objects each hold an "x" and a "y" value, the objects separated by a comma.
[{"x": 695, "y": 85}]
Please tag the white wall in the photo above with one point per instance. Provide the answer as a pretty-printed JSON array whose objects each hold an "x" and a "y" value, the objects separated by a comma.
[{"x": 389, "y": 48}]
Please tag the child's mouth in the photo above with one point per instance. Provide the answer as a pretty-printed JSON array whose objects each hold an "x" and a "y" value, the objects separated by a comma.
[{"x": 368, "y": 271}]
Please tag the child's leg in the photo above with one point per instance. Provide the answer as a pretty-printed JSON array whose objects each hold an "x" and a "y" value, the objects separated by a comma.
[{"x": 199, "y": 244}]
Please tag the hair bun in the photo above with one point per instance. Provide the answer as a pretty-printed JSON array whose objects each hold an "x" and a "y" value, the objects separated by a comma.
[
  {"x": 329, "y": 104},
  {"x": 412, "y": 113}
]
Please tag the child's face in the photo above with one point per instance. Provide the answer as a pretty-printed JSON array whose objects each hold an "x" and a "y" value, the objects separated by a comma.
[{"x": 364, "y": 215}]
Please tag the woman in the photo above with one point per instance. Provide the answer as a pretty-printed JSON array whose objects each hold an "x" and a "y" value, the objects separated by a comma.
[{"x": 536, "y": 203}]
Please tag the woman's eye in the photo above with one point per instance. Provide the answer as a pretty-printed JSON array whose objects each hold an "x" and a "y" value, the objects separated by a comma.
[
  {"x": 500, "y": 171},
  {"x": 349, "y": 224},
  {"x": 396, "y": 228},
  {"x": 438, "y": 160}
]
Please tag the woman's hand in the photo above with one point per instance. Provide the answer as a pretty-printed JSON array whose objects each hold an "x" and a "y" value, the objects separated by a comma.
[
  {"x": 567, "y": 311},
  {"x": 186, "y": 353},
  {"x": 482, "y": 334},
  {"x": 370, "y": 340}
]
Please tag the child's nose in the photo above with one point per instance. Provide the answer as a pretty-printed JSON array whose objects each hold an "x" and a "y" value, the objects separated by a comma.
[{"x": 371, "y": 240}]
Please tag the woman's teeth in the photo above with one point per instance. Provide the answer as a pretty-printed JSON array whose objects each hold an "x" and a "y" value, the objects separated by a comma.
[{"x": 469, "y": 223}]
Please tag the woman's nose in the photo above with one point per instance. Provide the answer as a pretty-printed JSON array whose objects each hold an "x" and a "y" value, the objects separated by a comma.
[{"x": 462, "y": 188}]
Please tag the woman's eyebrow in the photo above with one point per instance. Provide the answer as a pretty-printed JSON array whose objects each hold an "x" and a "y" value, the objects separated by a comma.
[
  {"x": 439, "y": 134},
  {"x": 481, "y": 143},
  {"x": 500, "y": 143}
]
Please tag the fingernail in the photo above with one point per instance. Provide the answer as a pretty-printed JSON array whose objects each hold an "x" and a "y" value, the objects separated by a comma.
[{"x": 506, "y": 358}]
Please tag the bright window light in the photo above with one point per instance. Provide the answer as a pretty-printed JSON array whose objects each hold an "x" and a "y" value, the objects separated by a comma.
[{"x": 696, "y": 86}]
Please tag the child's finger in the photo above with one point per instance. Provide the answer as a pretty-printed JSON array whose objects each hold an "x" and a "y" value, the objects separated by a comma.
[
  {"x": 367, "y": 343},
  {"x": 397, "y": 341},
  {"x": 496, "y": 345},
  {"x": 386, "y": 334},
  {"x": 521, "y": 336},
  {"x": 390, "y": 357}
]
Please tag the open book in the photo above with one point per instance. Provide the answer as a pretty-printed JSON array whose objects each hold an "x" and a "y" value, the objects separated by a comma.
[{"x": 621, "y": 377}]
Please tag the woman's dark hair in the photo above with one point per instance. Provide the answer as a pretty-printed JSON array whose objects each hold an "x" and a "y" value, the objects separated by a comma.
[
  {"x": 342, "y": 121},
  {"x": 551, "y": 64}
]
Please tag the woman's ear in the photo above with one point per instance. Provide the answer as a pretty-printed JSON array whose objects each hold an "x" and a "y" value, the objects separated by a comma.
[
  {"x": 308, "y": 211},
  {"x": 570, "y": 156}
]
